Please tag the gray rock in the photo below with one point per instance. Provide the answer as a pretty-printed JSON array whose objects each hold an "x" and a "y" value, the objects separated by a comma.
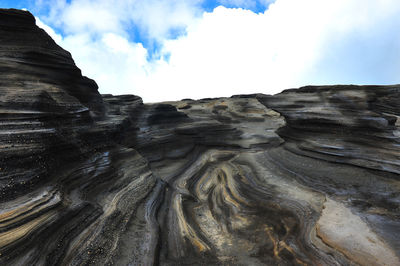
[{"x": 305, "y": 177}]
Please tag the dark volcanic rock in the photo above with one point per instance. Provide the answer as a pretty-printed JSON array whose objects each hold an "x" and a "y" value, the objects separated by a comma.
[{"x": 305, "y": 177}]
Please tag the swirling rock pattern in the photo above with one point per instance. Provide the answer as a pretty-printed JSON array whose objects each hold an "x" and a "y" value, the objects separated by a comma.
[{"x": 305, "y": 177}]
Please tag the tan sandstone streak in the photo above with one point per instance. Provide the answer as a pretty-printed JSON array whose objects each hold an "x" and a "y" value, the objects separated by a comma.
[
  {"x": 21, "y": 231},
  {"x": 341, "y": 229}
]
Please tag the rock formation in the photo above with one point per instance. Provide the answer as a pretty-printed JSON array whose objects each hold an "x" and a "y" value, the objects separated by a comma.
[{"x": 305, "y": 177}]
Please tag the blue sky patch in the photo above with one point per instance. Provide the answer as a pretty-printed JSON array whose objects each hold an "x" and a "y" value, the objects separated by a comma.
[{"x": 135, "y": 34}]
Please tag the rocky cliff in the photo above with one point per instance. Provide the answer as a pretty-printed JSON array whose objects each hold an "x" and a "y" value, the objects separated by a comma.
[{"x": 305, "y": 177}]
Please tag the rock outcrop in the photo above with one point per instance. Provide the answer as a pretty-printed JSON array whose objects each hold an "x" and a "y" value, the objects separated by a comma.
[{"x": 305, "y": 177}]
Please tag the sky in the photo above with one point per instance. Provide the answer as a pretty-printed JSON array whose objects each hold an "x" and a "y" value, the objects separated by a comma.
[{"x": 173, "y": 49}]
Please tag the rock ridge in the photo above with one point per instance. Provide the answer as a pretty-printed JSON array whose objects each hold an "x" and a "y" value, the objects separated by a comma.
[{"x": 309, "y": 176}]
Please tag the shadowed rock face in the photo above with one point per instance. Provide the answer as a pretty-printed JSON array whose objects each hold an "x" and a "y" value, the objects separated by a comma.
[{"x": 305, "y": 177}]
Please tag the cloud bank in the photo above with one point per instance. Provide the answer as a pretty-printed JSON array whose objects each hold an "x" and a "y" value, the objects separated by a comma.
[{"x": 190, "y": 53}]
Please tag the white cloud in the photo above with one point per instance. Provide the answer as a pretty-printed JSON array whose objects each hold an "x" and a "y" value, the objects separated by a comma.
[
  {"x": 112, "y": 61},
  {"x": 56, "y": 37},
  {"x": 154, "y": 18},
  {"x": 158, "y": 17},
  {"x": 231, "y": 51}
]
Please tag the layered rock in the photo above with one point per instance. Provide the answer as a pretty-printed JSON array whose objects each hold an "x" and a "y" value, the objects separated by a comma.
[
  {"x": 66, "y": 188},
  {"x": 304, "y": 177}
]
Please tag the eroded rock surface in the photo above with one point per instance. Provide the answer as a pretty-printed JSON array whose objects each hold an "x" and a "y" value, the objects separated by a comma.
[{"x": 305, "y": 177}]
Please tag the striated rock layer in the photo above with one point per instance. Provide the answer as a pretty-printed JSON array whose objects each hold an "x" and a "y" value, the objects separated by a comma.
[{"x": 305, "y": 177}]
